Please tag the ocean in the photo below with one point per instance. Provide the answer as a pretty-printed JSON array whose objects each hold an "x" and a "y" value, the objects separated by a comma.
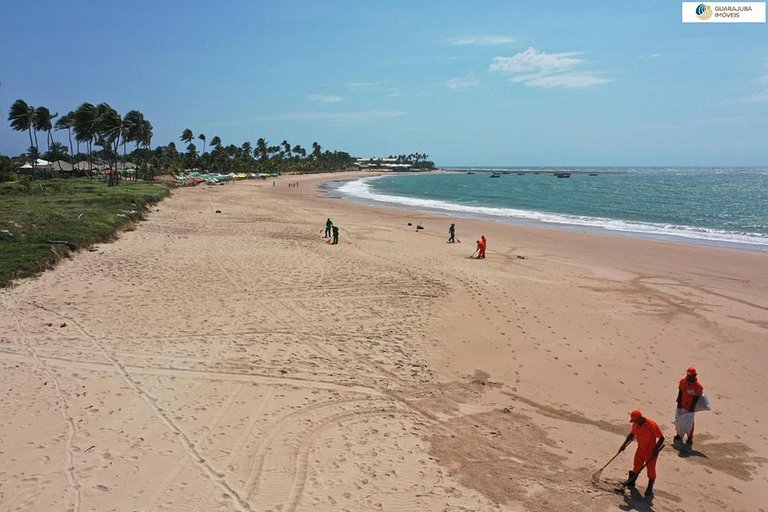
[{"x": 711, "y": 206}]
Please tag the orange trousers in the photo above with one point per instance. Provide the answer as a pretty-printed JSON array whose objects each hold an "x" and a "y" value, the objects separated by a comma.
[{"x": 640, "y": 459}]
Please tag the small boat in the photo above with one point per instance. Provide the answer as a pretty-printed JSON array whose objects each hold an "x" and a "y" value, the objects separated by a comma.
[
  {"x": 562, "y": 175},
  {"x": 520, "y": 173},
  {"x": 496, "y": 175},
  {"x": 593, "y": 174},
  {"x": 470, "y": 172}
]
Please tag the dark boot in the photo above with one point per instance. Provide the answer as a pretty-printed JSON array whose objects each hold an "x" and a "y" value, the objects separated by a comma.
[
  {"x": 631, "y": 480},
  {"x": 649, "y": 489}
]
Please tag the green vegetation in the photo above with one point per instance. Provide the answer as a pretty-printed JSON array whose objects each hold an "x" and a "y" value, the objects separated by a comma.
[
  {"x": 102, "y": 126},
  {"x": 78, "y": 211},
  {"x": 247, "y": 157}
]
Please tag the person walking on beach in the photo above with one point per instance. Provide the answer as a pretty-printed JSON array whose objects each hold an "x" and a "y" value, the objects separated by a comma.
[
  {"x": 452, "y": 234},
  {"x": 689, "y": 390},
  {"x": 650, "y": 441},
  {"x": 328, "y": 226},
  {"x": 335, "y": 235},
  {"x": 482, "y": 244}
]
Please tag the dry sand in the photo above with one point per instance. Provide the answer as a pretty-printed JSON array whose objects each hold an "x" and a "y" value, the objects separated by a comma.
[{"x": 235, "y": 361}]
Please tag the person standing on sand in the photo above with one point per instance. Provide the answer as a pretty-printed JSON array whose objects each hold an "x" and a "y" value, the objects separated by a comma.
[
  {"x": 689, "y": 390},
  {"x": 650, "y": 440},
  {"x": 335, "y": 235},
  {"x": 452, "y": 234},
  {"x": 482, "y": 245},
  {"x": 328, "y": 226}
]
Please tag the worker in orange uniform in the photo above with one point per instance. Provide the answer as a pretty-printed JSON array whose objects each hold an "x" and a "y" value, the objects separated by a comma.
[
  {"x": 481, "y": 245},
  {"x": 689, "y": 390},
  {"x": 650, "y": 441}
]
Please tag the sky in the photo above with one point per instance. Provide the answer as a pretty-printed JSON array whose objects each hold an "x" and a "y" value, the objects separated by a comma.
[{"x": 468, "y": 83}]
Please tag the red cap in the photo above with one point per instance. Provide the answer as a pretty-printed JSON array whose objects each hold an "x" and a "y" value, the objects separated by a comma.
[
  {"x": 634, "y": 415},
  {"x": 691, "y": 371}
]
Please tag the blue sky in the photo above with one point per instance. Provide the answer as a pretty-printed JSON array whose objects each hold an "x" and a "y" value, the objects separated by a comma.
[{"x": 469, "y": 83}]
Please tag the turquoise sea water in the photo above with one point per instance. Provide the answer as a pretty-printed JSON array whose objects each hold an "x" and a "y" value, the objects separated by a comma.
[{"x": 722, "y": 206}]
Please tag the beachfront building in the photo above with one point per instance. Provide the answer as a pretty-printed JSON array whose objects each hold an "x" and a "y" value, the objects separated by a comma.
[{"x": 392, "y": 164}]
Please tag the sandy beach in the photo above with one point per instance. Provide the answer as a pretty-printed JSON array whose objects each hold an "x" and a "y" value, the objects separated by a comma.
[{"x": 235, "y": 361}]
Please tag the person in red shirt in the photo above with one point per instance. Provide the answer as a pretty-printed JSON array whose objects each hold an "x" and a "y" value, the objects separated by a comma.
[
  {"x": 649, "y": 443},
  {"x": 482, "y": 244},
  {"x": 689, "y": 390}
]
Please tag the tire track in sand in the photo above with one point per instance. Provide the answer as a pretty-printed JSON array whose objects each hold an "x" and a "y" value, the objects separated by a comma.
[
  {"x": 213, "y": 475},
  {"x": 174, "y": 474},
  {"x": 69, "y": 465}
]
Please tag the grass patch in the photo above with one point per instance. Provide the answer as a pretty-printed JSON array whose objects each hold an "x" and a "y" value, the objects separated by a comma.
[{"x": 79, "y": 211}]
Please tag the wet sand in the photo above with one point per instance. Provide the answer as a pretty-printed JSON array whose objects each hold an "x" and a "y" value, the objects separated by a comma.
[{"x": 236, "y": 361}]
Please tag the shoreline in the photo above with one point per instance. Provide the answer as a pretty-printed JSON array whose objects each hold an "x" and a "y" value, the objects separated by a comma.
[
  {"x": 646, "y": 231},
  {"x": 387, "y": 372}
]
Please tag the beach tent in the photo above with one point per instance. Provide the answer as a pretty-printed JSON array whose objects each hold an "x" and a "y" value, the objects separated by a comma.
[
  {"x": 60, "y": 165},
  {"x": 40, "y": 162}
]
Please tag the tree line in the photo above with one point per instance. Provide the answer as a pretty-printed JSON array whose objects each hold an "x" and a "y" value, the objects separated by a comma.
[
  {"x": 99, "y": 125},
  {"x": 102, "y": 131},
  {"x": 249, "y": 157}
]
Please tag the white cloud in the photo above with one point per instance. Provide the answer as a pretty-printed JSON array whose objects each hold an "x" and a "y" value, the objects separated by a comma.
[
  {"x": 533, "y": 61},
  {"x": 480, "y": 41},
  {"x": 341, "y": 118},
  {"x": 324, "y": 98},
  {"x": 561, "y": 80},
  {"x": 362, "y": 86},
  {"x": 541, "y": 69},
  {"x": 760, "y": 96},
  {"x": 462, "y": 83},
  {"x": 394, "y": 92}
]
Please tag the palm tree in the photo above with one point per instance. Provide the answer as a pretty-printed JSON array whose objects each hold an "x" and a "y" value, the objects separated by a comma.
[
  {"x": 286, "y": 148},
  {"x": 216, "y": 141},
  {"x": 43, "y": 123},
  {"x": 146, "y": 134},
  {"x": 261, "y": 148},
  {"x": 316, "y": 150},
  {"x": 108, "y": 129},
  {"x": 65, "y": 122},
  {"x": 133, "y": 123},
  {"x": 84, "y": 125},
  {"x": 187, "y": 136},
  {"x": 202, "y": 147},
  {"x": 21, "y": 117}
]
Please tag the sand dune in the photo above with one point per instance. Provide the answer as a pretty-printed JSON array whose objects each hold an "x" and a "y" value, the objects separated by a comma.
[{"x": 235, "y": 361}]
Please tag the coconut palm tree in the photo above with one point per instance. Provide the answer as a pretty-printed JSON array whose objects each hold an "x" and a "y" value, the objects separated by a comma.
[
  {"x": 262, "y": 148},
  {"x": 202, "y": 146},
  {"x": 21, "y": 117},
  {"x": 108, "y": 129},
  {"x": 84, "y": 125},
  {"x": 43, "y": 122},
  {"x": 187, "y": 136},
  {"x": 146, "y": 134},
  {"x": 133, "y": 123},
  {"x": 216, "y": 141},
  {"x": 65, "y": 122}
]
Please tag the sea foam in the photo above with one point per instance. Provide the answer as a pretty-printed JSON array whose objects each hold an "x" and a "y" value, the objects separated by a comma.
[{"x": 361, "y": 189}]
